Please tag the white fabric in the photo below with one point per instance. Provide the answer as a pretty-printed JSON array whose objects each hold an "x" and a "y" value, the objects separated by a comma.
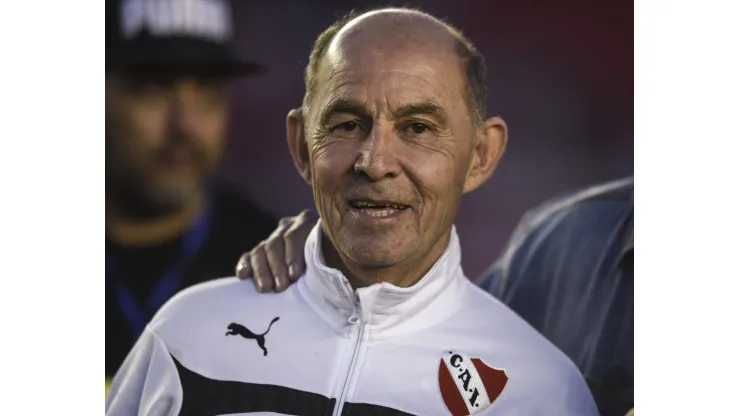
[{"x": 389, "y": 356}]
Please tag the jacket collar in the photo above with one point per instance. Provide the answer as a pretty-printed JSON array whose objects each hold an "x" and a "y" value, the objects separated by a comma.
[{"x": 383, "y": 309}]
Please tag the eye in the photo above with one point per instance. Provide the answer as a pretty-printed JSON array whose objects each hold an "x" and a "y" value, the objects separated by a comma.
[
  {"x": 213, "y": 91},
  {"x": 348, "y": 129},
  {"x": 349, "y": 126},
  {"x": 418, "y": 128}
]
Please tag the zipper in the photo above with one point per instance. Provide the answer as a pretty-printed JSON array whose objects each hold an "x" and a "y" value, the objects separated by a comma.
[{"x": 353, "y": 320}]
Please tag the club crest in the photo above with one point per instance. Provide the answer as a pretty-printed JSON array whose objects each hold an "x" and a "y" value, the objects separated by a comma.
[{"x": 468, "y": 385}]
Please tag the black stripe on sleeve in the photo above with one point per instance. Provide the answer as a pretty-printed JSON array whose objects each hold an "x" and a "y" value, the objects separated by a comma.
[
  {"x": 364, "y": 409},
  {"x": 203, "y": 396}
]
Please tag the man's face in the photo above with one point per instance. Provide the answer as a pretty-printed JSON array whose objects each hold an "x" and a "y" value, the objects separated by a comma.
[
  {"x": 390, "y": 142},
  {"x": 164, "y": 136}
]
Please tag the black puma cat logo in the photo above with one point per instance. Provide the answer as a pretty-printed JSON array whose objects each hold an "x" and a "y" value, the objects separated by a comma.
[{"x": 236, "y": 329}]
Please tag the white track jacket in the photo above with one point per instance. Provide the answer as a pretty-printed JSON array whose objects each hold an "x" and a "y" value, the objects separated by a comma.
[{"x": 440, "y": 347}]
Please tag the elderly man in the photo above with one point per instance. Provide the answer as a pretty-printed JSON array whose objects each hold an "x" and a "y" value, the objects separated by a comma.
[
  {"x": 168, "y": 224},
  {"x": 391, "y": 134}
]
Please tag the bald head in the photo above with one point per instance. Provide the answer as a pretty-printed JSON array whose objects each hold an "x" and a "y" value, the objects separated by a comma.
[
  {"x": 396, "y": 35},
  {"x": 391, "y": 30}
]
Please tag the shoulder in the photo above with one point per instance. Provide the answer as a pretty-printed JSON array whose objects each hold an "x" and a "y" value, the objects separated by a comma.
[
  {"x": 587, "y": 213},
  {"x": 192, "y": 325},
  {"x": 495, "y": 320},
  {"x": 215, "y": 296},
  {"x": 582, "y": 220},
  {"x": 617, "y": 193},
  {"x": 209, "y": 307},
  {"x": 534, "y": 367}
]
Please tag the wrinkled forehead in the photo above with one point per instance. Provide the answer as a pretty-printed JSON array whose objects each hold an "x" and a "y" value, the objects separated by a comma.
[{"x": 384, "y": 75}]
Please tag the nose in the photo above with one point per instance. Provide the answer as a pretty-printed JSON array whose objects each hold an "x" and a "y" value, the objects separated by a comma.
[
  {"x": 377, "y": 159},
  {"x": 183, "y": 112}
]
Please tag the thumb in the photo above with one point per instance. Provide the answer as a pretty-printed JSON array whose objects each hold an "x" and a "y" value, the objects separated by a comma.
[{"x": 244, "y": 267}]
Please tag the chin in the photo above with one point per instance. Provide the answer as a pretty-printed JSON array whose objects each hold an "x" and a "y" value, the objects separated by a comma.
[
  {"x": 376, "y": 249},
  {"x": 377, "y": 255},
  {"x": 174, "y": 196}
]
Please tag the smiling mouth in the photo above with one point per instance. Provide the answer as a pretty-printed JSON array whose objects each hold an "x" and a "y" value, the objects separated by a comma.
[{"x": 377, "y": 209}]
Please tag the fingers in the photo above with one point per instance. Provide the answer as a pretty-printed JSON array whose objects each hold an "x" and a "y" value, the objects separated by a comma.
[
  {"x": 244, "y": 267},
  {"x": 285, "y": 222},
  {"x": 294, "y": 241},
  {"x": 261, "y": 269},
  {"x": 275, "y": 254},
  {"x": 277, "y": 262}
]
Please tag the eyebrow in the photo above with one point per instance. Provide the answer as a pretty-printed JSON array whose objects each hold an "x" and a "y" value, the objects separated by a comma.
[
  {"x": 343, "y": 106},
  {"x": 357, "y": 108},
  {"x": 428, "y": 108}
]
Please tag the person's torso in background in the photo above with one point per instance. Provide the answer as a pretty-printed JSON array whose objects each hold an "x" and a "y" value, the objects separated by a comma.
[
  {"x": 234, "y": 225},
  {"x": 568, "y": 271}
]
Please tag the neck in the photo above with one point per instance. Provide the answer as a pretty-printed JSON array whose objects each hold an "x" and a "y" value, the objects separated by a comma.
[
  {"x": 146, "y": 231},
  {"x": 404, "y": 274}
]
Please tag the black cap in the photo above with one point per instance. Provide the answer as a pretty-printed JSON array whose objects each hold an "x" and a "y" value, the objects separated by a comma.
[{"x": 186, "y": 36}]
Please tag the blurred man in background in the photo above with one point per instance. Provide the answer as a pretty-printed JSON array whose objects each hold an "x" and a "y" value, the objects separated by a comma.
[
  {"x": 568, "y": 270},
  {"x": 169, "y": 64}
]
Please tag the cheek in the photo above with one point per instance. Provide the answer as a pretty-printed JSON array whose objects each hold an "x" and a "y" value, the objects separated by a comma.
[
  {"x": 439, "y": 177},
  {"x": 147, "y": 124},
  {"x": 212, "y": 130},
  {"x": 438, "y": 181},
  {"x": 330, "y": 161},
  {"x": 331, "y": 165},
  {"x": 136, "y": 132}
]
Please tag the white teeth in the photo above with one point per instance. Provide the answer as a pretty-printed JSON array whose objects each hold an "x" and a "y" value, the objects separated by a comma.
[
  {"x": 377, "y": 210},
  {"x": 379, "y": 213},
  {"x": 361, "y": 204}
]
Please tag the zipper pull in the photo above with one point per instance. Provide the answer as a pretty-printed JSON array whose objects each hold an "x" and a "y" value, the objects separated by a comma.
[
  {"x": 356, "y": 313},
  {"x": 355, "y": 318}
]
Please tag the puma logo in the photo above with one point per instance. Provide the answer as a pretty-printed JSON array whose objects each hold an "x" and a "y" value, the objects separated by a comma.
[{"x": 236, "y": 329}]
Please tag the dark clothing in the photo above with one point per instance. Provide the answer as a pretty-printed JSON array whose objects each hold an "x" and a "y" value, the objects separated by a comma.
[
  {"x": 234, "y": 225},
  {"x": 568, "y": 271}
]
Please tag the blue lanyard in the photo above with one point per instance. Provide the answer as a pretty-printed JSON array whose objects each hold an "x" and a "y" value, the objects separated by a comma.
[{"x": 139, "y": 315}]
